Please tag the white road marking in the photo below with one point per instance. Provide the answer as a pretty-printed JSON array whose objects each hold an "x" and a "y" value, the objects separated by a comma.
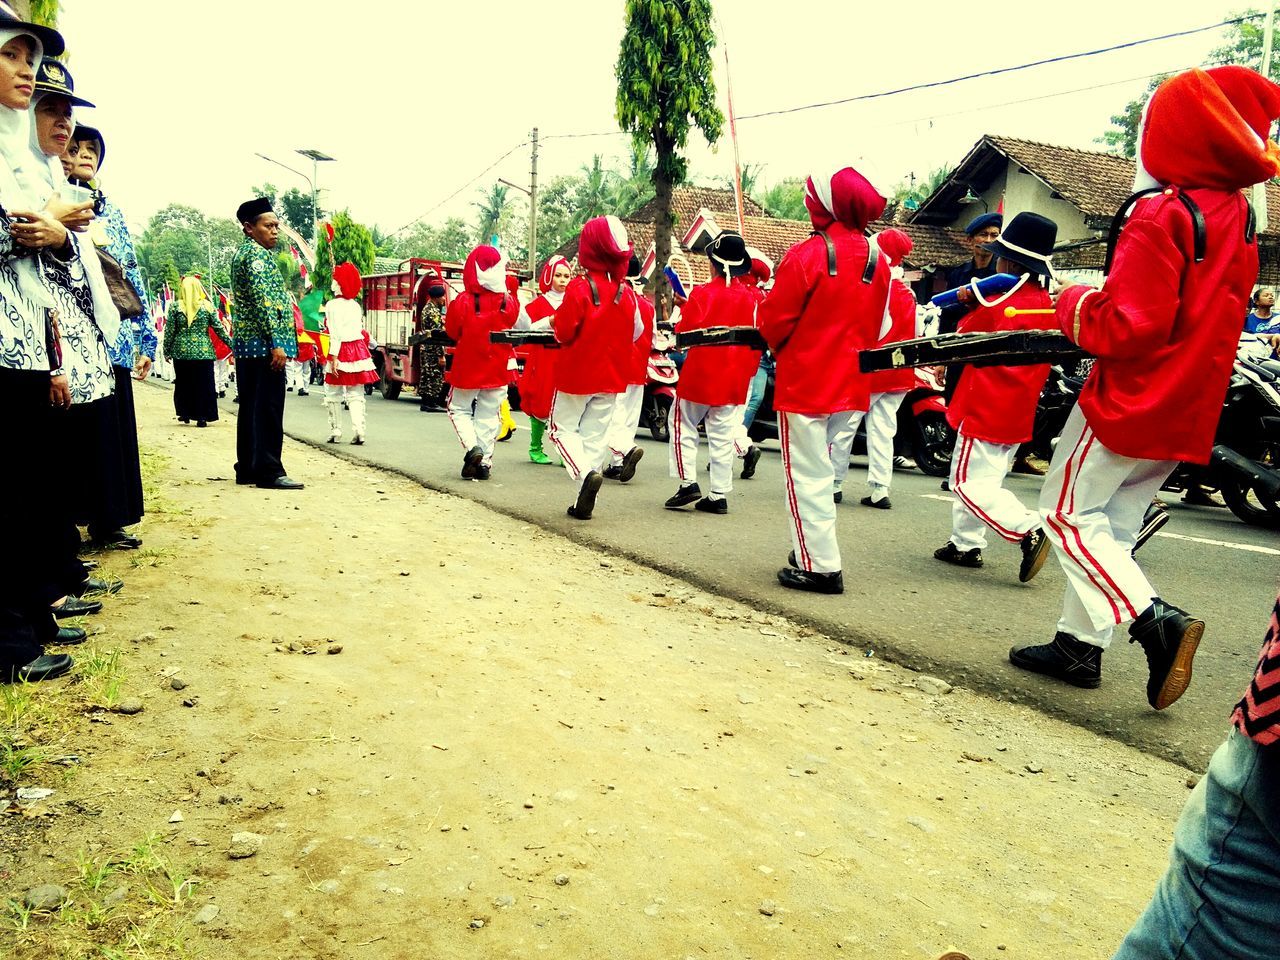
[{"x": 936, "y": 496}]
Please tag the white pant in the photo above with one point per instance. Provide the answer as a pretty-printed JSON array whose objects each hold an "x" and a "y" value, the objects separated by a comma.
[
  {"x": 978, "y": 469},
  {"x": 1092, "y": 504},
  {"x": 882, "y": 427},
  {"x": 221, "y": 375},
  {"x": 474, "y": 415},
  {"x": 334, "y": 396},
  {"x": 723, "y": 425},
  {"x": 810, "y": 483},
  {"x": 299, "y": 374},
  {"x": 625, "y": 421},
  {"x": 579, "y": 430}
]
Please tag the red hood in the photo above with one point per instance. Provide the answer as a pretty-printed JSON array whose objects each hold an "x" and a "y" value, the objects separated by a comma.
[
  {"x": 548, "y": 271},
  {"x": 481, "y": 260},
  {"x": 348, "y": 278},
  {"x": 604, "y": 246},
  {"x": 845, "y": 197},
  {"x": 894, "y": 244}
]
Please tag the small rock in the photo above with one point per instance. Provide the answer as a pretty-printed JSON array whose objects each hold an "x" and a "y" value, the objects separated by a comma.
[
  {"x": 177, "y": 683},
  {"x": 504, "y": 901},
  {"x": 652, "y": 910},
  {"x": 476, "y": 923},
  {"x": 128, "y": 707},
  {"x": 920, "y": 823},
  {"x": 333, "y": 649},
  {"x": 145, "y": 638},
  {"x": 933, "y": 686},
  {"x": 328, "y": 886},
  {"x": 562, "y": 879},
  {"x": 445, "y": 828},
  {"x": 768, "y": 908},
  {"x": 746, "y": 697},
  {"x": 33, "y": 794},
  {"x": 244, "y": 844},
  {"x": 1034, "y": 767},
  {"x": 177, "y": 817},
  {"x": 48, "y": 896},
  {"x": 115, "y": 897},
  {"x": 528, "y": 804},
  {"x": 1191, "y": 782},
  {"x": 206, "y": 914},
  {"x": 190, "y": 701}
]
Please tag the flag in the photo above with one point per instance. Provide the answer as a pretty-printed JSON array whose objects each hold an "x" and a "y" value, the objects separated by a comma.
[{"x": 310, "y": 322}]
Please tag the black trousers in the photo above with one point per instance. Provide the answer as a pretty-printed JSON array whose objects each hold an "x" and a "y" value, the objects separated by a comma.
[
  {"x": 195, "y": 397},
  {"x": 260, "y": 427},
  {"x": 106, "y": 486}
]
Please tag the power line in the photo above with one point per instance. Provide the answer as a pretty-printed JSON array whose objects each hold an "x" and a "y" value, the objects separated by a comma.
[{"x": 441, "y": 203}]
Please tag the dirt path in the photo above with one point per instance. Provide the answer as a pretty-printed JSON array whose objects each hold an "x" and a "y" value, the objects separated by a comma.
[{"x": 525, "y": 746}]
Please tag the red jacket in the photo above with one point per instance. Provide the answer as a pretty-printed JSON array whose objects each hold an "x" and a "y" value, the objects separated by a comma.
[
  {"x": 1165, "y": 328},
  {"x": 902, "y": 317},
  {"x": 717, "y": 376},
  {"x": 538, "y": 382},
  {"x": 477, "y": 363},
  {"x": 998, "y": 404},
  {"x": 596, "y": 341},
  {"x": 815, "y": 324},
  {"x": 643, "y": 344}
]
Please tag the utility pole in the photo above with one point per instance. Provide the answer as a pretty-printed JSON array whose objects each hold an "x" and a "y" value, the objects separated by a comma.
[
  {"x": 1260, "y": 189},
  {"x": 533, "y": 208}
]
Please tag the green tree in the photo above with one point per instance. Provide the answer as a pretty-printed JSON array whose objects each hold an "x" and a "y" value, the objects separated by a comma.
[
  {"x": 1122, "y": 138},
  {"x": 595, "y": 193},
  {"x": 785, "y": 200},
  {"x": 449, "y": 242},
  {"x": 43, "y": 12},
  {"x": 295, "y": 207},
  {"x": 633, "y": 186},
  {"x": 351, "y": 241},
  {"x": 491, "y": 211},
  {"x": 182, "y": 237},
  {"x": 665, "y": 87}
]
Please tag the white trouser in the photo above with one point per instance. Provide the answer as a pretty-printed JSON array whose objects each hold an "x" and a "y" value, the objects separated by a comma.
[
  {"x": 335, "y": 394},
  {"x": 580, "y": 429},
  {"x": 474, "y": 415},
  {"x": 625, "y": 421},
  {"x": 882, "y": 427},
  {"x": 221, "y": 375},
  {"x": 299, "y": 373},
  {"x": 722, "y": 423},
  {"x": 1092, "y": 503},
  {"x": 810, "y": 483},
  {"x": 978, "y": 469}
]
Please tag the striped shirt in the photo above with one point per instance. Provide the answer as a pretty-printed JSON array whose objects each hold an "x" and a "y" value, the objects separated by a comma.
[{"x": 1257, "y": 715}]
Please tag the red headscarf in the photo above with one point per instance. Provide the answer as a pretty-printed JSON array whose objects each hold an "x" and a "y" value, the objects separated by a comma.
[
  {"x": 894, "y": 244},
  {"x": 761, "y": 266},
  {"x": 348, "y": 278},
  {"x": 845, "y": 197},
  {"x": 549, "y": 271},
  {"x": 485, "y": 271},
  {"x": 1210, "y": 128},
  {"x": 604, "y": 246}
]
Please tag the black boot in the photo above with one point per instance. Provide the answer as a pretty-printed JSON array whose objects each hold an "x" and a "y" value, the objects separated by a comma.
[
  {"x": 471, "y": 463},
  {"x": 1035, "y": 549},
  {"x": 1064, "y": 658},
  {"x": 585, "y": 505},
  {"x": 794, "y": 579},
  {"x": 1169, "y": 638}
]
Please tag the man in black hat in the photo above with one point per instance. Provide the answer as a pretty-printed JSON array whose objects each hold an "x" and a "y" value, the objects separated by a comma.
[{"x": 265, "y": 340}]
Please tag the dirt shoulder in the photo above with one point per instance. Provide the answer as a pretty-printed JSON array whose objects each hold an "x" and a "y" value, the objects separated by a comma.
[{"x": 525, "y": 745}]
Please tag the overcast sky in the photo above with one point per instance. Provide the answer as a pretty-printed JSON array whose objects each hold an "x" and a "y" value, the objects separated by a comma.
[{"x": 418, "y": 98}]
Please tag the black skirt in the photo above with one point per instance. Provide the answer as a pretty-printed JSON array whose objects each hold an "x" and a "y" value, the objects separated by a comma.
[
  {"x": 195, "y": 397},
  {"x": 105, "y": 475}
]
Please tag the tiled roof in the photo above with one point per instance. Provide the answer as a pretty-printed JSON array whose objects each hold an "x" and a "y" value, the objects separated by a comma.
[{"x": 687, "y": 201}]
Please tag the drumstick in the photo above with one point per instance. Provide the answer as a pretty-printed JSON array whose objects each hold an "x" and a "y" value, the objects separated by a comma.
[{"x": 1015, "y": 312}]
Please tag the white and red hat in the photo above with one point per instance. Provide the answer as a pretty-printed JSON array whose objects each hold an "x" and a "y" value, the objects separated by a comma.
[
  {"x": 604, "y": 246},
  {"x": 485, "y": 270},
  {"x": 549, "y": 271},
  {"x": 894, "y": 244},
  {"x": 845, "y": 197}
]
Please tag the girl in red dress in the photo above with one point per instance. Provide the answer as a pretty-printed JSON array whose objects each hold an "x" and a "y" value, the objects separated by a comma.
[
  {"x": 350, "y": 367},
  {"x": 537, "y": 383}
]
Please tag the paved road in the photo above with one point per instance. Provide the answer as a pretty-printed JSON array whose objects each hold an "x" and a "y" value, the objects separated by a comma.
[{"x": 899, "y": 601}]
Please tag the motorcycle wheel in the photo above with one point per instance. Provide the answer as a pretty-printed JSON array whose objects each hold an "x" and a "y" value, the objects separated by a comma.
[
  {"x": 1249, "y": 506},
  {"x": 932, "y": 445},
  {"x": 658, "y": 409}
]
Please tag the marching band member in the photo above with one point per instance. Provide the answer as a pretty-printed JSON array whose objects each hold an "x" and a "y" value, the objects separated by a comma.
[
  {"x": 479, "y": 375},
  {"x": 1164, "y": 329},
  {"x": 350, "y": 365},
  {"x": 828, "y": 302},
  {"x": 626, "y": 412},
  {"x": 597, "y": 325},
  {"x": 538, "y": 382}
]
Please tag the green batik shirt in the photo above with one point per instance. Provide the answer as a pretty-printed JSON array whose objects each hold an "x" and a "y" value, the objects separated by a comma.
[
  {"x": 188, "y": 341},
  {"x": 262, "y": 311}
]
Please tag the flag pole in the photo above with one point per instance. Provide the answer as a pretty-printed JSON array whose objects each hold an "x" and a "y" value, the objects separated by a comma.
[{"x": 733, "y": 135}]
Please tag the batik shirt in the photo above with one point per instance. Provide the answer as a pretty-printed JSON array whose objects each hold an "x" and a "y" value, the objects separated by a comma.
[
  {"x": 264, "y": 317},
  {"x": 23, "y": 339},
  {"x": 185, "y": 340},
  {"x": 85, "y": 359},
  {"x": 138, "y": 333}
]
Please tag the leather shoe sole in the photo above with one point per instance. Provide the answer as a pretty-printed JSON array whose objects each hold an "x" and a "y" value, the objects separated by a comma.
[
  {"x": 1179, "y": 678},
  {"x": 750, "y": 461},
  {"x": 628, "y": 468},
  {"x": 585, "y": 505}
]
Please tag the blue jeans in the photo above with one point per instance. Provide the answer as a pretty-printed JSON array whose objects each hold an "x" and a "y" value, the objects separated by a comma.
[
  {"x": 1220, "y": 897},
  {"x": 755, "y": 396}
]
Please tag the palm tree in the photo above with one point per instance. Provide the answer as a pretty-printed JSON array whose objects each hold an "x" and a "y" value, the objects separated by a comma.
[
  {"x": 785, "y": 199},
  {"x": 595, "y": 192},
  {"x": 633, "y": 188},
  {"x": 491, "y": 208}
]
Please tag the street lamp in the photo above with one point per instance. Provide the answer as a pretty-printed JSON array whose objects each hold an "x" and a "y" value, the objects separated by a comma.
[{"x": 315, "y": 156}]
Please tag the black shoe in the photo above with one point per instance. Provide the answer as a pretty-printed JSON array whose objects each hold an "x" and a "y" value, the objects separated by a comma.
[
  {"x": 950, "y": 553},
  {"x": 945, "y": 485},
  {"x": 202, "y": 423},
  {"x": 712, "y": 505},
  {"x": 585, "y": 505},
  {"x": 1155, "y": 518},
  {"x": 482, "y": 472},
  {"x": 791, "y": 560},
  {"x": 75, "y": 607},
  {"x": 358, "y": 441},
  {"x": 881, "y": 504},
  {"x": 222, "y": 394},
  {"x": 184, "y": 419},
  {"x": 1197, "y": 496},
  {"x": 794, "y": 579},
  {"x": 1035, "y": 550},
  {"x": 687, "y": 494},
  {"x": 838, "y": 496},
  {"x": 44, "y": 667},
  {"x": 1169, "y": 638},
  {"x": 301, "y": 392},
  {"x": 69, "y": 636},
  {"x": 628, "y": 468},
  {"x": 236, "y": 398},
  {"x": 282, "y": 483},
  {"x": 611, "y": 473},
  {"x": 93, "y": 585},
  {"x": 89, "y": 565},
  {"x": 290, "y": 389},
  {"x": 118, "y": 540},
  {"x": 1064, "y": 658},
  {"x": 749, "y": 462},
  {"x": 471, "y": 463}
]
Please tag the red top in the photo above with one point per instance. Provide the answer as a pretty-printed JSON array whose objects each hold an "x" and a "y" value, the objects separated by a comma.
[
  {"x": 477, "y": 363},
  {"x": 643, "y": 344},
  {"x": 998, "y": 404},
  {"x": 815, "y": 324},
  {"x": 1164, "y": 328},
  {"x": 717, "y": 376},
  {"x": 902, "y": 317},
  {"x": 596, "y": 341},
  {"x": 538, "y": 382}
]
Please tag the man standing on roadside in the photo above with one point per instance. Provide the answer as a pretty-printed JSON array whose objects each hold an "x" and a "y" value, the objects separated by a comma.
[{"x": 264, "y": 343}]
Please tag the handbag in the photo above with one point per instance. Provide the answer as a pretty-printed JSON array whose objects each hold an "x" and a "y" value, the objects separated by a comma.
[{"x": 123, "y": 295}]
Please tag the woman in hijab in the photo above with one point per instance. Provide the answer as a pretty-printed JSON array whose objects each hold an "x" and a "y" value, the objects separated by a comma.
[{"x": 187, "y": 344}]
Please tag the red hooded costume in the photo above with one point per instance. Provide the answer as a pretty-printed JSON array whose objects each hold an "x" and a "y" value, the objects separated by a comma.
[
  {"x": 596, "y": 323},
  {"x": 538, "y": 382},
  {"x": 718, "y": 376},
  {"x": 1165, "y": 327},
  {"x": 816, "y": 322},
  {"x": 895, "y": 245},
  {"x": 483, "y": 308}
]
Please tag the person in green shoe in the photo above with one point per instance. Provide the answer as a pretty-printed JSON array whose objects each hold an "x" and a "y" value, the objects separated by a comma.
[{"x": 537, "y": 383}]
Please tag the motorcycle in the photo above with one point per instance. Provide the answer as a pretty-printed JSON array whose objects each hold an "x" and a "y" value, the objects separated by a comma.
[
  {"x": 660, "y": 385},
  {"x": 1057, "y": 400}
]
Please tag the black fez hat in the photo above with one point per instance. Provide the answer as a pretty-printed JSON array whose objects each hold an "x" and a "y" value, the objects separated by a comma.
[
  {"x": 54, "y": 77},
  {"x": 82, "y": 132},
  {"x": 984, "y": 220},
  {"x": 51, "y": 41},
  {"x": 1028, "y": 240},
  {"x": 251, "y": 210},
  {"x": 729, "y": 251}
]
